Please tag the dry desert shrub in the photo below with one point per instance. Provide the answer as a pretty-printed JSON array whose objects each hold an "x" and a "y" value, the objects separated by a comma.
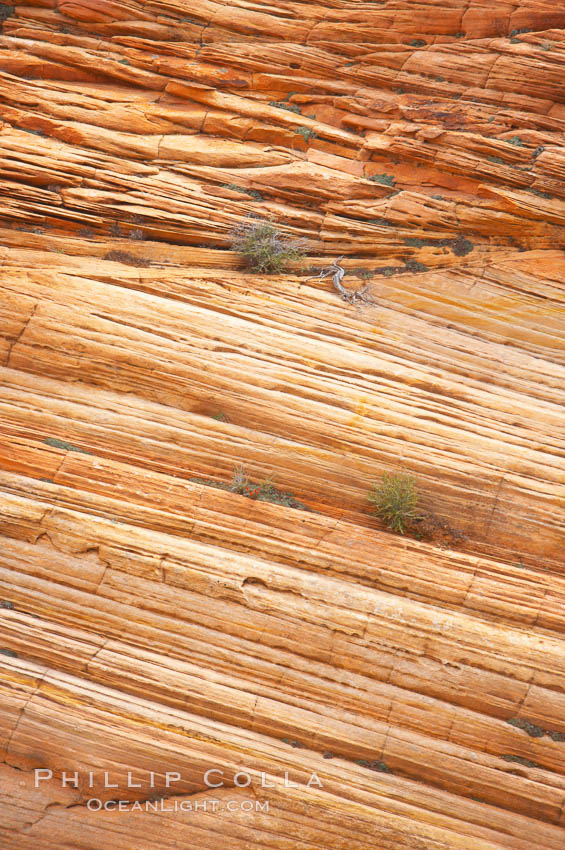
[{"x": 264, "y": 248}]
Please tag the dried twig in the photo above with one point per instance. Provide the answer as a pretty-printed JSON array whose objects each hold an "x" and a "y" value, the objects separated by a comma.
[{"x": 337, "y": 272}]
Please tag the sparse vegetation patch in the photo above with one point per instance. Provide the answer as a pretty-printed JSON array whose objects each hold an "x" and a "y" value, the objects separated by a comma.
[
  {"x": 264, "y": 248},
  {"x": 384, "y": 179},
  {"x": 290, "y": 107},
  {"x": 306, "y": 133},
  {"x": 394, "y": 499},
  {"x": 253, "y": 193},
  {"x": 126, "y": 258},
  {"x": 265, "y": 491}
]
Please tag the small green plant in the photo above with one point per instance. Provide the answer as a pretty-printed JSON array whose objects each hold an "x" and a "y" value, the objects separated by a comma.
[
  {"x": 363, "y": 273},
  {"x": 264, "y": 248},
  {"x": 126, "y": 258},
  {"x": 395, "y": 498},
  {"x": 265, "y": 491},
  {"x": 306, "y": 133},
  {"x": 290, "y": 107},
  {"x": 516, "y": 140},
  {"x": 385, "y": 179},
  {"x": 253, "y": 193}
]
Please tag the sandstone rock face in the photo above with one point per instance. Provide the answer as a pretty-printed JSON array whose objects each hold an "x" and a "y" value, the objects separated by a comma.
[{"x": 152, "y": 624}]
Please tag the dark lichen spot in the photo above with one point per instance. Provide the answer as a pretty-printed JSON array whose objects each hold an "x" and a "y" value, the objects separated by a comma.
[
  {"x": 530, "y": 728},
  {"x": 33, "y": 132},
  {"x": 382, "y": 222},
  {"x": 461, "y": 246},
  {"x": 541, "y": 194},
  {"x": 415, "y": 266},
  {"x": 556, "y": 736},
  {"x": 380, "y": 766},
  {"x": 6, "y": 12},
  {"x": 520, "y": 760},
  {"x": 62, "y": 444}
]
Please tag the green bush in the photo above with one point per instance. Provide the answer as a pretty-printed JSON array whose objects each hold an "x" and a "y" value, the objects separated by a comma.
[
  {"x": 264, "y": 248},
  {"x": 395, "y": 498}
]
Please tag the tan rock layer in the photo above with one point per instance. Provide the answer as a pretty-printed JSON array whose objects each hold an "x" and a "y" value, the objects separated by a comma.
[{"x": 149, "y": 622}]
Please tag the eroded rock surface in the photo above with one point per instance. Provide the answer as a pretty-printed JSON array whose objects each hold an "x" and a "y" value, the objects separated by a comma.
[{"x": 152, "y": 623}]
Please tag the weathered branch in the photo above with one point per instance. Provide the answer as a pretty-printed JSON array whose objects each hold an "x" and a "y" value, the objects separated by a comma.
[{"x": 337, "y": 274}]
